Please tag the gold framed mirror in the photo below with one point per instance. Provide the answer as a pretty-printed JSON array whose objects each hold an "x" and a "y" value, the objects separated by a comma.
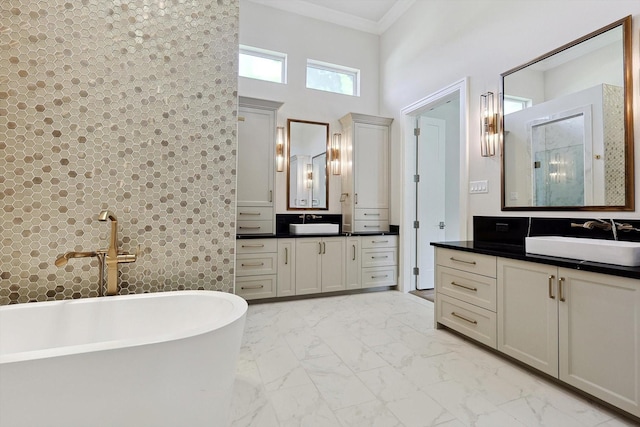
[
  {"x": 567, "y": 126},
  {"x": 307, "y": 165}
]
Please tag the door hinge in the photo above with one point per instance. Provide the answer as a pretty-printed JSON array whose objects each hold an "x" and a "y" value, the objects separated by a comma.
[
  {"x": 441, "y": 225},
  {"x": 416, "y": 271},
  {"x": 416, "y": 131},
  {"x": 416, "y": 224},
  {"x": 416, "y": 178}
]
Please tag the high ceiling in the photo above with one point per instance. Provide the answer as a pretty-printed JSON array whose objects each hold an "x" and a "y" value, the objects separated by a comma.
[{"x": 372, "y": 16}]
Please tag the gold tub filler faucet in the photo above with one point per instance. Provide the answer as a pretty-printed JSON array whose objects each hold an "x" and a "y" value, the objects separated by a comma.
[{"x": 111, "y": 256}]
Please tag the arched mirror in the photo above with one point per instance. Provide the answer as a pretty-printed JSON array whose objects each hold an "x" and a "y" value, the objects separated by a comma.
[
  {"x": 307, "y": 176},
  {"x": 567, "y": 130}
]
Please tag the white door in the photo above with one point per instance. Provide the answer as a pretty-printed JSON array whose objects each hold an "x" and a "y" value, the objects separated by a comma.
[
  {"x": 256, "y": 139},
  {"x": 430, "y": 196},
  {"x": 371, "y": 166}
]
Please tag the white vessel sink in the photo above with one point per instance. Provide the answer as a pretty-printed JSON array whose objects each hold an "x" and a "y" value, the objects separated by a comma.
[
  {"x": 313, "y": 228},
  {"x": 596, "y": 250}
]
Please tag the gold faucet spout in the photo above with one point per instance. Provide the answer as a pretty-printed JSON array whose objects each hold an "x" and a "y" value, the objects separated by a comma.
[{"x": 62, "y": 260}]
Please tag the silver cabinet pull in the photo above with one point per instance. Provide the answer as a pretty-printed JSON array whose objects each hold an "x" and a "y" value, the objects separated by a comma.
[
  {"x": 471, "y": 288},
  {"x": 382, "y": 257},
  {"x": 253, "y": 246},
  {"x": 286, "y": 256},
  {"x": 380, "y": 276},
  {"x": 461, "y": 260},
  {"x": 371, "y": 214},
  {"x": 250, "y": 213},
  {"x": 379, "y": 241},
  {"x": 252, "y": 287},
  {"x": 354, "y": 253},
  {"x": 465, "y": 318},
  {"x": 371, "y": 226},
  {"x": 270, "y": 196},
  {"x": 250, "y": 228},
  {"x": 355, "y": 196},
  {"x": 252, "y": 264},
  {"x": 551, "y": 295},
  {"x": 561, "y": 289}
]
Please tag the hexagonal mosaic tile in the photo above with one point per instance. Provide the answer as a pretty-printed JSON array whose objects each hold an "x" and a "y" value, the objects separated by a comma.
[{"x": 127, "y": 105}]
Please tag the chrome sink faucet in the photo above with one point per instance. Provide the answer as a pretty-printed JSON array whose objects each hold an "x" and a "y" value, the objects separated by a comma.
[{"x": 114, "y": 256}]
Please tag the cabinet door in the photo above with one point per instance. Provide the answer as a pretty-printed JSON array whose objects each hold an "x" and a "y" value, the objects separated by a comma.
[
  {"x": 528, "y": 313},
  {"x": 333, "y": 264},
  {"x": 371, "y": 166},
  {"x": 286, "y": 283},
  {"x": 256, "y": 154},
  {"x": 308, "y": 266},
  {"x": 600, "y": 336},
  {"x": 353, "y": 263}
]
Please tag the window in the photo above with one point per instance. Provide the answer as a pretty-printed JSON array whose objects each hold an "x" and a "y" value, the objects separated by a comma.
[
  {"x": 514, "y": 103},
  {"x": 333, "y": 78},
  {"x": 262, "y": 64}
]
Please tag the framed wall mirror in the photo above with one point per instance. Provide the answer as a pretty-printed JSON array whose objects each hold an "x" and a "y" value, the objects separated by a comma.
[
  {"x": 307, "y": 177},
  {"x": 567, "y": 126}
]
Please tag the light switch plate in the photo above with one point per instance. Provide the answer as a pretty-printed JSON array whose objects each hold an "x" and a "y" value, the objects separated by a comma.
[{"x": 476, "y": 187}]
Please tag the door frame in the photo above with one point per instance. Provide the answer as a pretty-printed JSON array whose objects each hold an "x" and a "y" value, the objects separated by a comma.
[{"x": 408, "y": 114}]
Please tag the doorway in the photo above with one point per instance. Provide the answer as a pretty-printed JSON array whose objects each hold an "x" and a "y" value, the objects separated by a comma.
[{"x": 435, "y": 181}]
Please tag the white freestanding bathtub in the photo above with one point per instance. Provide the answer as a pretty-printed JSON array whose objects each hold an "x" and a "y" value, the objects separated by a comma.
[{"x": 160, "y": 359}]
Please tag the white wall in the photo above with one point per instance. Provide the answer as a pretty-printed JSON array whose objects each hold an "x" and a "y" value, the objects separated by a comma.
[
  {"x": 438, "y": 42},
  {"x": 301, "y": 38}
]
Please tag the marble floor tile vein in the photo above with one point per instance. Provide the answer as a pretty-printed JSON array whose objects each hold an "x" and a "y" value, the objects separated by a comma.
[{"x": 375, "y": 360}]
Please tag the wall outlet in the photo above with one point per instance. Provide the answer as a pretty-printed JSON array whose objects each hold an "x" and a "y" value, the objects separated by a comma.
[{"x": 476, "y": 187}]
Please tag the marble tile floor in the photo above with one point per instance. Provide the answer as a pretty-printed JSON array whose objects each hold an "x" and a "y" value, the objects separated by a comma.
[{"x": 375, "y": 360}]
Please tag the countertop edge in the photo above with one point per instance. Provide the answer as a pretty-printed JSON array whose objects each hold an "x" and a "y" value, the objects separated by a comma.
[{"x": 516, "y": 252}]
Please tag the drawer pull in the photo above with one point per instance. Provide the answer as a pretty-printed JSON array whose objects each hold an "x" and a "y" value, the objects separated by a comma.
[
  {"x": 371, "y": 226},
  {"x": 551, "y": 295},
  {"x": 354, "y": 252},
  {"x": 380, "y": 276},
  {"x": 250, "y": 213},
  {"x": 371, "y": 214},
  {"x": 471, "y": 288},
  {"x": 465, "y": 318},
  {"x": 383, "y": 257},
  {"x": 253, "y": 264},
  {"x": 250, "y": 228},
  {"x": 252, "y": 287},
  {"x": 379, "y": 241},
  {"x": 286, "y": 256},
  {"x": 253, "y": 246},
  {"x": 561, "y": 289},
  {"x": 461, "y": 260}
]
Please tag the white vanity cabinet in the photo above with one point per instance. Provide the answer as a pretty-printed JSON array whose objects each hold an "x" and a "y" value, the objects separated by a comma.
[
  {"x": 255, "y": 171},
  {"x": 379, "y": 260},
  {"x": 256, "y": 268},
  {"x": 286, "y": 282},
  {"x": 365, "y": 173},
  {"x": 466, "y": 294},
  {"x": 320, "y": 265},
  {"x": 581, "y": 327}
]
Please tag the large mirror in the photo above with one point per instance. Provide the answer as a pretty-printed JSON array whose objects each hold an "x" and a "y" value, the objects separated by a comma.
[
  {"x": 567, "y": 126},
  {"x": 307, "y": 176}
]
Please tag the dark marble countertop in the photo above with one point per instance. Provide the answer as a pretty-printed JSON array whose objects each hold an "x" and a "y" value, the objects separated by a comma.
[
  {"x": 298, "y": 236},
  {"x": 518, "y": 252}
]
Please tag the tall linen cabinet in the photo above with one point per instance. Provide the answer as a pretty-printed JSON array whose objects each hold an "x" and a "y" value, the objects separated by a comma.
[
  {"x": 365, "y": 173},
  {"x": 257, "y": 120}
]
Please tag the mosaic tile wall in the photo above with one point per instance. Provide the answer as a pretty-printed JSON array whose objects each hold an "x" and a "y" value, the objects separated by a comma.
[
  {"x": 614, "y": 144},
  {"x": 127, "y": 105}
]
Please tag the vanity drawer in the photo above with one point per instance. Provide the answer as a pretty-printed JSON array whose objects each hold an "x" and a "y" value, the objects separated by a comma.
[
  {"x": 254, "y": 227},
  {"x": 370, "y": 226},
  {"x": 379, "y": 276},
  {"x": 369, "y": 242},
  {"x": 379, "y": 257},
  {"x": 472, "y": 321},
  {"x": 251, "y": 213},
  {"x": 468, "y": 287},
  {"x": 256, "y": 264},
  {"x": 254, "y": 246},
  {"x": 372, "y": 214},
  {"x": 255, "y": 287},
  {"x": 467, "y": 261}
]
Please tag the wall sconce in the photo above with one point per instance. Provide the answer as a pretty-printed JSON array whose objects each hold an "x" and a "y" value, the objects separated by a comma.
[
  {"x": 309, "y": 175},
  {"x": 336, "y": 147},
  {"x": 279, "y": 149},
  {"x": 488, "y": 124}
]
